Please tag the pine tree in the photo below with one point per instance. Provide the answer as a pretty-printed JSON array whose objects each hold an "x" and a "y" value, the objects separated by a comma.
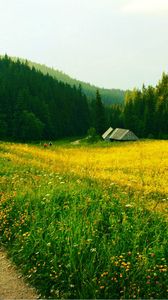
[{"x": 99, "y": 115}]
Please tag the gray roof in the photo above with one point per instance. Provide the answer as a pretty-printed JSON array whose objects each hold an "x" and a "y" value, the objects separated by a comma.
[
  {"x": 120, "y": 134},
  {"x": 107, "y": 133}
]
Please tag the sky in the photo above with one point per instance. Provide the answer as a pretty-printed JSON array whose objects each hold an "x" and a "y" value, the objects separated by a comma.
[{"x": 109, "y": 43}]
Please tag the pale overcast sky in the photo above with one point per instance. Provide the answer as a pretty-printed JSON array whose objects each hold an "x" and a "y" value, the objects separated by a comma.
[{"x": 109, "y": 43}]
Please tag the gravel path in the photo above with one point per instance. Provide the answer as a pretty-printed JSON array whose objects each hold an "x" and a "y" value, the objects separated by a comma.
[{"x": 12, "y": 285}]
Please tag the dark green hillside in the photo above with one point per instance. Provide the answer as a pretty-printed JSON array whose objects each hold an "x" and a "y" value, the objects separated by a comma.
[
  {"x": 109, "y": 96},
  {"x": 36, "y": 106}
]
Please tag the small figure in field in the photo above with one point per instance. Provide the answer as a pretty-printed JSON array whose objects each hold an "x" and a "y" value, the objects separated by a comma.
[
  {"x": 45, "y": 145},
  {"x": 50, "y": 144}
]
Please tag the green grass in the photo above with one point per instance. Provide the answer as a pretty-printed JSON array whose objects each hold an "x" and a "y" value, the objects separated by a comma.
[{"x": 75, "y": 238}]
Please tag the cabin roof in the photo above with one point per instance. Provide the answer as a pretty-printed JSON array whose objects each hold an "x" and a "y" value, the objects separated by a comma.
[
  {"x": 120, "y": 134},
  {"x": 107, "y": 133}
]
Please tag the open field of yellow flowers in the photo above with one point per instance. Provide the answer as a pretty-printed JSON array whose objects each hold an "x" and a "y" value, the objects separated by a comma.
[
  {"x": 141, "y": 166},
  {"x": 87, "y": 221}
]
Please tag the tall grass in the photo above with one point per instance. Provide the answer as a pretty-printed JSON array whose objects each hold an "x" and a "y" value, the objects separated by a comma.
[{"x": 76, "y": 237}]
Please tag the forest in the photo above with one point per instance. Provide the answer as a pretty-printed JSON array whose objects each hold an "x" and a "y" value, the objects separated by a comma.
[
  {"x": 145, "y": 111},
  {"x": 34, "y": 106}
]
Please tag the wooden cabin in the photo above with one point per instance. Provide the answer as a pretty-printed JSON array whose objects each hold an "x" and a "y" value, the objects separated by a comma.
[{"x": 119, "y": 134}]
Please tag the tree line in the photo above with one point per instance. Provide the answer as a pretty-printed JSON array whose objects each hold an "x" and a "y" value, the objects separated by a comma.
[
  {"x": 108, "y": 96},
  {"x": 145, "y": 111},
  {"x": 35, "y": 106}
]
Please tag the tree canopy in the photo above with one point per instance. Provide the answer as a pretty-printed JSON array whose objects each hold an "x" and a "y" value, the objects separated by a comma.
[
  {"x": 35, "y": 106},
  {"x": 145, "y": 111}
]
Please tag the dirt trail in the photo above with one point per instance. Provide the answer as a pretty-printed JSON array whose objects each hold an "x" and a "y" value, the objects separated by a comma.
[{"x": 12, "y": 285}]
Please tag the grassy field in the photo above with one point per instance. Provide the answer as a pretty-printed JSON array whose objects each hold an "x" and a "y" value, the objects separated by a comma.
[{"x": 87, "y": 221}]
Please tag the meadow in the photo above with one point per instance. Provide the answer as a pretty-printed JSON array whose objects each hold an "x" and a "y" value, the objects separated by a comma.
[{"x": 87, "y": 221}]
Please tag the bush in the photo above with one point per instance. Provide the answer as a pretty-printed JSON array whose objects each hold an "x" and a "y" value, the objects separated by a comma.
[{"x": 92, "y": 135}]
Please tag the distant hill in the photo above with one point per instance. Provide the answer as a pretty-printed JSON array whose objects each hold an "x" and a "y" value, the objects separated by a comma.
[{"x": 109, "y": 96}]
